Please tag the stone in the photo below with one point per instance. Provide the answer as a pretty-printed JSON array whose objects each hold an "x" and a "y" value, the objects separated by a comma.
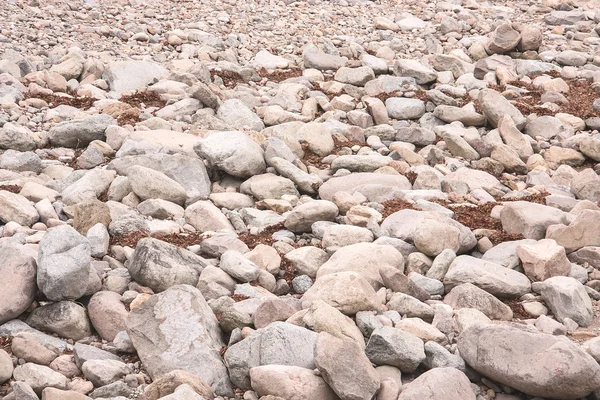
[
  {"x": 354, "y": 76},
  {"x": 345, "y": 368},
  {"x": 404, "y": 108},
  {"x": 236, "y": 114},
  {"x": 432, "y": 237},
  {"x": 147, "y": 184},
  {"x": 104, "y": 372},
  {"x": 439, "y": 383},
  {"x": 503, "y": 39},
  {"x": 347, "y": 291},
  {"x": 468, "y": 295},
  {"x": 279, "y": 343},
  {"x": 303, "y": 216},
  {"x": 161, "y": 265},
  {"x": 438, "y": 357},
  {"x": 321, "y": 317},
  {"x": 107, "y": 314},
  {"x": 395, "y": 280},
  {"x": 307, "y": 260},
  {"x": 65, "y": 318},
  {"x": 581, "y": 232},
  {"x": 567, "y": 298},
  {"x": 392, "y": 346},
  {"x": 361, "y": 181},
  {"x": 18, "y": 285},
  {"x": 314, "y": 58},
  {"x": 78, "y": 133},
  {"x": 545, "y": 126},
  {"x": 6, "y": 366},
  {"x": 205, "y": 216},
  {"x": 92, "y": 185},
  {"x": 57, "y": 394},
  {"x": 177, "y": 330},
  {"x": 89, "y": 213},
  {"x": 16, "y": 208},
  {"x": 39, "y": 377},
  {"x": 494, "y": 279},
  {"x": 290, "y": 382},
  {"x": 83, "y": 353},
  {"x": 526, "y": 360},
  {"x": 63, "y": 264},
  {"x": 544, "y": 260},
  {"x": 494, "y": 106},
  {"x": 238, "y": 266},
  {"x": 124, "y": 76},
  {"x": 410, "y": 307},
  {"x": 367, "y": 259},
  {"x": 268, "y": 186},
  {"x": 17, "y": 137},
  {"x": 414, "y": 69},
  {"x": 529, "y": 219},
  {"x": 169, "y": 382}
]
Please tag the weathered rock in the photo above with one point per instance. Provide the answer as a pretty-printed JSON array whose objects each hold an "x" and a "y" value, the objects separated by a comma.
[
  {"x": 123, "y": 76},
  {"x": 79, "y": 133},
  {"x": 290, "y": 382},
  {"x": 392, "y": 346},
  {"x": 18, "y": 284},
  {"x": 65, "y": 318},
  {"x": 494, "y": 106},
  {"x": 503, "y": 39},
  {"x": 168, "y": 383},
  {"x": 345, "y": 367},
  {"x": 543, "y": 260},
  {"x": 176, "y": 329},
  {"x": 526, "y": 361},
  {"x": 468, "y": 295},
  {"x": 404, "y": 108},
  {"x": 303, "y": 216},
  {"x": 583, "y": 231},
  {"x": 147, "y": 184},
  {"x": 161, "y": 265},
  {"x": 39, "y": 377},
  {"x": 437, "y": 384},
  {"x": 16, "y": 208},
  {"x": 108, "y": 314},
  {"x": 529, "y": 219},
  {"x": 567, "y": 298}
]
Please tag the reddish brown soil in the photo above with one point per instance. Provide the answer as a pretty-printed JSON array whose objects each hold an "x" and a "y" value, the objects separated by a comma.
[
  {"x": 83, "y": 103},
  {"x": 517, "y": 309},
  {"x": 230, "y": 79},
  {"x": 280, "y": 75},
  {"x": 10, "y": 188},
  {"x": 264, "y": 237},
  {"x": 146, "y": 98}
]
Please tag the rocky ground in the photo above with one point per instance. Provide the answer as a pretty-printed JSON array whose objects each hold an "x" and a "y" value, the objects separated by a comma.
[{"x": 322, "y": 200}]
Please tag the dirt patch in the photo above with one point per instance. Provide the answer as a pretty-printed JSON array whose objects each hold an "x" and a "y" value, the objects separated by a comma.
[
  {"x": 280, "y": 75},
  {"x": 264, "y": 237},
  {"x": 145, "y": 98},
  {"x": 394, "y": 205},
  {"x": 230, "y": 79},
  {"x": 411, "y": 176},
  {"x": 82, "y": 103},
  {"x": 384, "y": 96},
  {"x": 314, "y": 160},
  {"x": 517, "y": 309},
  {"x": 10, "y": 188}
]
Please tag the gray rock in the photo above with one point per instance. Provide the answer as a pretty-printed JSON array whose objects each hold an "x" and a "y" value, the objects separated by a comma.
[
  {"x": 279, "y": 343},
  {"x": 239, "y": 267},
  {"x": 104, "y": 372},
  {"x": 354, "y": 76},
  {"x": 65, "y": 318},
  {"x": 39, "y": 377},
  {"x": 232, "y": 152},
  {"x": 124, "y": 76},
  {"x": 301, "y": 218},
  {"x": 529, "y": 219},
  {"x": 17, "y": 137},
  {"x": 63, "y": 264},
  {"x": 344, "y": 366},
  {"x": 503, "y": 39},
  {"x": 362, "y": 182},
  {"x": 405, "y": 108},
  {"x": 176, "y": 329},
  {"x": 438, "y": 357},
  {"x": 494, "y": 106},
  {"x": 468, "y": 295},
  {"x": 392, "y": 346},
  {"x": 413, "y": 68},
  {"x": 6, "y": 366},
  {"x": 314, "y": 58},
  {"x": 236, "y": 114},
  {"x": 16, "y": 208},
  {"x": 18, "y": 284},
  {"x": 525, "y": 360},
  {"x": 79, "y": 133},
  {"x": 289, "y": 382},
  {"x": 567, "y": 298},
  {"x": 20, "y": 161},
  {"x": 147, "y": 183},
  {"x": 161, "y": 265},
  {"x": 83, "y": 353}
]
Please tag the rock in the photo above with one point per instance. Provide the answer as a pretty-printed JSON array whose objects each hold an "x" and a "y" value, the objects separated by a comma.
[
  {"x": 108, "y": 314},
  {"x": 104, "y": 372},
  {"x": 468, "y": 295},
  {"x": 313, "y": 58},
  {"x": 503, "y": 39},
  {"x": 545, "y": 126},
  {"x": 16, "y": 208},
  {"x": 160, "y": 265},
  {"x": 168, "y": 383},
  {"x": 567, "y": 298},
  {"x": 531, "y": 39},
  {"x": 232, "y": 152},
  {"x": 404, "y": 108},
  {"x": 91, "y": 186},
  {"x": 321, "y": 317},
  {"x": 359, "y": 182},
  {"x": 204, "y": 216},
  {"x": 395, "y": 280},
  {"x": 589, "y": 146},
  {"x": 581, "y": 232},
  {"x": 354, "y": 76},
  {"x": 307, "y": 260},
  {"x": 303, "y": 216},
  {"x": 179, "y": 313},
  {"x": 367, "y": 259},
  {"x": 6, "y": 366},
  {"x": 345, "y": 368},
  {"x": 348, "y": 291},
  {"x": 147, "y": 184},
  {"x": 543, "y": 260},
  {"x": 493, "y": 278},
  {"x": 415, "y": 69},
  {"x": 268, "y": 186},
  {"x": 494, "y": 106},
  {"x": 438, "y": 383},
  {"x": 529, "y": 219},
  {"x": 18, "y": 137},
  {"x": 238, "y": 266},
  {"x": 78, "y": 133},
  {"x": 124, "y": 76},
  {"x": 392, "y": 346},
  {"x": 83, "y": 353},
  {"x": 289, "y": 382},
  {"x": 89, "y": 213},
  {"x": 65, "y": 318},
  {"x": 18, "y": 285},
  {"x": 410, "y": 306},
  {"x": 235, "y": 113},
  {"x": 432, "y": 237},
  {"x": 438, "y": 357},
  {"x": 524, "y": 360},
  {"x": 57, "y": 394},
  {"x": 279, "y": 343},
  {"x": 39, "y": 377},
  {"x": 63, "y": 264}
]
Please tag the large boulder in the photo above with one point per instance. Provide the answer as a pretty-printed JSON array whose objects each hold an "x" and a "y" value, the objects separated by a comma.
[
  {"x": 363, "y": 181},
  {"x": 147, "y": 183},
  {"x": 63, "y": 264},
  {"x": 176, "y": 329},
  {"x": 567, "y": 298},
  {"x": 124, "y": 76},
  {"x": 279, "y": 343},
  {"x": 583, "y": 231},
  {"x": 18, "y": 284},
  {"x": 16, "y": 208},
  {"x": 366, "y": 259},
  {"x": 537, "y": 364},
  {"x": 160, "y": 265},
  {"x": 494, "y": 106},
  {"x": 78, "y": 133},
  {"x": 530, "y": 219},
  {"x": 493, "y": 278},
  {"x": 544, "y": 259},
  {"x": 232, "y": 152}
]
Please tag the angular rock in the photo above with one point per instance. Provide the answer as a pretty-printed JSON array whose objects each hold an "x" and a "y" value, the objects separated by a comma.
[
  {"x": 392, "y": 346},
  {"x": 567, "y": 298},
  {"x": 18, "y": 284},
  {"x": 468, "y": 295},
  {"x": 543, "y": 260},
  {"x": 289, "y": 382},
  {"x": 78, "y": 133},
  {"x": 439, "y": 383}
]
